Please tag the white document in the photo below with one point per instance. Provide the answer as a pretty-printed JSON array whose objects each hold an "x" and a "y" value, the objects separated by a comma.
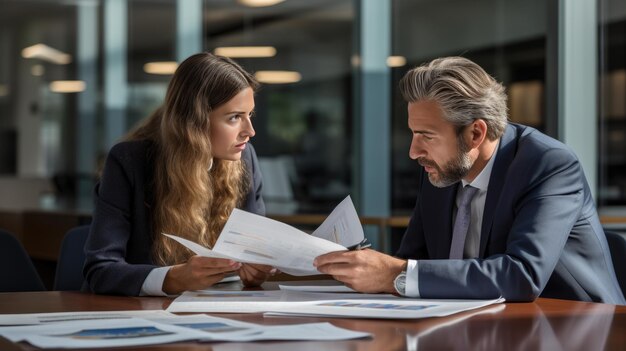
[
  {"x": 224, "y": 301},
  {"x": 222, "y": 329},
  {"x": 44, "y": 318},
  {"x": 334, "y": 288},
  {"x": 251, "y": 238},
  {"x": 399, "y": 308},
  {"x": 308, "y": 331},
  {"x": 100, "y": 333},
  {"x": 214, "y": 327},
  {"x": 342, "y": 226},
  {"x": 136, "y": 332}
]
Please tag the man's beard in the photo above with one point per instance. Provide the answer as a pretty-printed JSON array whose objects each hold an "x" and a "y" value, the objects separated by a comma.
[{"x": 453, "y": 171}]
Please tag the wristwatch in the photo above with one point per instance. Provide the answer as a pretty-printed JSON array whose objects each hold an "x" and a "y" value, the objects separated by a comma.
[{"x": 400, "y": 283}]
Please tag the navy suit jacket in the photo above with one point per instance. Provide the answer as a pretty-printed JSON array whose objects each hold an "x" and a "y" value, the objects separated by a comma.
[
  {"x": 118, "y": 249},
  {"x": 540, "y": 234}
]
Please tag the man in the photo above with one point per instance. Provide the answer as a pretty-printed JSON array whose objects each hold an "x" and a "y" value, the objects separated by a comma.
[{"x": 502, "y": 209}]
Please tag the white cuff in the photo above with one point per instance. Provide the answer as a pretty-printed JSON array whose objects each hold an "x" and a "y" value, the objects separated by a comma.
[
  {"x": 412, "y": 286},
  {"x": 153, "y": 285}
]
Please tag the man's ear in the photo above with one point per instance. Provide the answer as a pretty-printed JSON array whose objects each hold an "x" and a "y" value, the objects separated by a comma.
[{"x": 477, "y": 133}]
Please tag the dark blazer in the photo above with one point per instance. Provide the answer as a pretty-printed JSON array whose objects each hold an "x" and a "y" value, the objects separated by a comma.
[
  {"x": 119, "y": 245},
  {"x": 540, "y": 235}
]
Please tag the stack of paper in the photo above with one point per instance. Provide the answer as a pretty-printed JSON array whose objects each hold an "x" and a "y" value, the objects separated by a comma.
[
  {"x": 159, "y": 329},
  {"x": 251, "y": 238},
  {"x": 321, "y": 304}
]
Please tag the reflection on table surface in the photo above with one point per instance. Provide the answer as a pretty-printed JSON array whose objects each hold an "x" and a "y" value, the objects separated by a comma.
[{"x": 546, "y": 324}]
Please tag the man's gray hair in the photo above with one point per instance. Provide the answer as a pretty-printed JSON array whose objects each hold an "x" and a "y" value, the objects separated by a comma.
[{"x": 463, "y": 89}]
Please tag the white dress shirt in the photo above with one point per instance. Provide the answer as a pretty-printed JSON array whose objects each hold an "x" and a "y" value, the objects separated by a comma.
[
  {"x": 153, "y": 285},
  {"x": 472, "y": 241}
]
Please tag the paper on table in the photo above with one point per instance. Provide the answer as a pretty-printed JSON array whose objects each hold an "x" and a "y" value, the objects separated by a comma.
[
  {"x": 223, "y": 329},
  {"x": 100, "y": 333},
  {"x": 251, "y": 238},
  {"x": 317, "y": 288},
  {"x": 135, "y": 332},
  {"x": 399, "y": 308},
  {"x": 279, "y": 302},
  {"x": 44, "y": 318},
  {"x": 224, "y": 301},
  {"x": 308, "y": 331}
]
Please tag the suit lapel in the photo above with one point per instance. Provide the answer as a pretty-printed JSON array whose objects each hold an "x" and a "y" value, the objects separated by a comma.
[{"x": 506, "y": 153}]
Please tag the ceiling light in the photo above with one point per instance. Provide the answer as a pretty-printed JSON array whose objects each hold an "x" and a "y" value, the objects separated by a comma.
[
  {"x": 67, "y": 86},
  {"x": 396, "y": 61},
  {"x": 163, "y": 67},
  {"x": 278, "y": 77},
  {"x": 46, "y": 53},
  {"x": 246, "y": 51},
  {"x": 259, "y": 3}
]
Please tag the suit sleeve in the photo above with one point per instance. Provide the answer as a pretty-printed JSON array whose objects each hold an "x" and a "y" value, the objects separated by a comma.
[
  {"x": 106, "y": 269},
  {"x": 545, "y": 210}
]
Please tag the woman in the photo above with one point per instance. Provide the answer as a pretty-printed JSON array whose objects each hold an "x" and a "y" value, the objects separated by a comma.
[{"x": 182, "y": 171}]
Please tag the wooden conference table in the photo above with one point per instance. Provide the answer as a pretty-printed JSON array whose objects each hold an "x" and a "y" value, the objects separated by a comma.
[{"x": 546, "y": 324}]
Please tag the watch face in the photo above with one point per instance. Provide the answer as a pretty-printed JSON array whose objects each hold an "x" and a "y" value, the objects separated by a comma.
[{"x": 400, "y": 283}]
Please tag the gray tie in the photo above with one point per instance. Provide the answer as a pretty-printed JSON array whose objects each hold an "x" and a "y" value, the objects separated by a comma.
[{"x": 462, "y": 222}]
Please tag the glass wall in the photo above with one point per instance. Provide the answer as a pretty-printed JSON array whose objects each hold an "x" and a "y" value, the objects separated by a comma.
[
  {"x": 612, "y": 93},
  {"x": 303, "y": 121},
  {"x": 506, "y": 37},
  {"x": 76, "y": 75}
]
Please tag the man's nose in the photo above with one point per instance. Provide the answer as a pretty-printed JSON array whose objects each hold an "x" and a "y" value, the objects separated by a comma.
[{"x": 416, "y": 151}]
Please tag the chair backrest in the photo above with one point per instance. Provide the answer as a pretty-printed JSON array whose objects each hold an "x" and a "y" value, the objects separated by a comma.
[
  {"x": 617, "y": 245},
  {"x": 69, "y": 273},
  {"x": 17, "y": 272}
]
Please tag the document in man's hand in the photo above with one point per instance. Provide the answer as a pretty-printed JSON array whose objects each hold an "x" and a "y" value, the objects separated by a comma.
[{"x": 251, "y": 238}]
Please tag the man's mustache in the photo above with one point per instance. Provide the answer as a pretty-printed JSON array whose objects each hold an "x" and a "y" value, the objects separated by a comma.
[{"x": 426, "y": 163}]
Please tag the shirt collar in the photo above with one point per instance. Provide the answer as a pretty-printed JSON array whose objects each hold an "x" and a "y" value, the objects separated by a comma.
[{"x": 482, "y": 180}]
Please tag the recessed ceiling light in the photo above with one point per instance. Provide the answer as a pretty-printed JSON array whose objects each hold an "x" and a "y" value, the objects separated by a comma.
[
  {"x": 396, "y": 61},
  {"x": 259, "y": 3},
  {"x": 245, "y": 51},
  {"x": 46, "y": 53},
  {"x": 67, "y": 86},
  {"x": 162, "y": 67},
  {"x": 278, "y": 77}
]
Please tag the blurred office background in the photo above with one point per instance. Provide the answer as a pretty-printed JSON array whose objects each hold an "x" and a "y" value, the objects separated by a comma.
[{"x": 75, "y": 75}]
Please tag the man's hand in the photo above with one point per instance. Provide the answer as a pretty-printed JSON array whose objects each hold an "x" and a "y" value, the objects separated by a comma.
[
  {"x": 366, "y": 271},
  {"x": 197, "y": 273},
  {"x": 255, "y": 274}
]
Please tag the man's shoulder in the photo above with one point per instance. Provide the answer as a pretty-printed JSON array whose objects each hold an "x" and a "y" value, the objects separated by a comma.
[
  {"x": 533, "y": 142},
  {"x": 537, "y": 152}
]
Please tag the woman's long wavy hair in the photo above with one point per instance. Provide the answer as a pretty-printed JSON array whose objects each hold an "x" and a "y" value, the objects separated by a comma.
[{"x": 193, "y": 193}]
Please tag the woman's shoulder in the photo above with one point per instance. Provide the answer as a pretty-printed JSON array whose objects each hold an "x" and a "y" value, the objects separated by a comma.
[{"x": 132, "y": 151}]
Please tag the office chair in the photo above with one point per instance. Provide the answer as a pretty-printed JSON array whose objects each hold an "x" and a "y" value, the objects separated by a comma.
[
  {"x": 617, "y": 245},
  {"x": 69, "y": 273},
  {"x": 17, "y": 272}
]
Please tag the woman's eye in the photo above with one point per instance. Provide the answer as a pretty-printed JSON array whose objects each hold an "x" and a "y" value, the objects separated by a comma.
[{"x": 234, "y": 118}]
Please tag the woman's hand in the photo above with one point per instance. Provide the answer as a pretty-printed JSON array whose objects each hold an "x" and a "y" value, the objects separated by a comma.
[
  {"x": 255, "y": 274},
  {"x": 197, "y": 273}
]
